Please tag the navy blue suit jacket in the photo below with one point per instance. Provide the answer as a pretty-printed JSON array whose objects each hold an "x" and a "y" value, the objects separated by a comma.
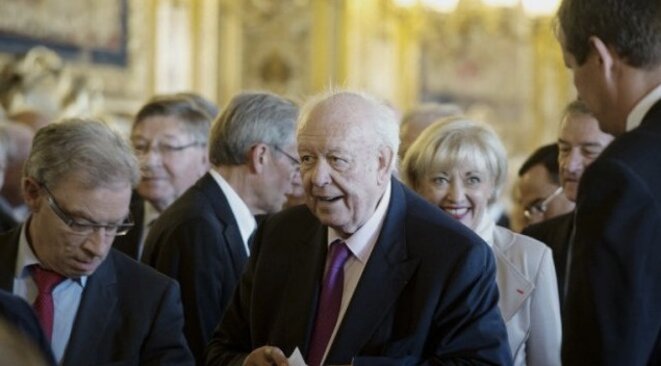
[
  {"x": 613, "y": 306},
  {"x": 427, "y": 294},
  {"x": 129, "y": 314},
  {"x": 18, "y": 313}
]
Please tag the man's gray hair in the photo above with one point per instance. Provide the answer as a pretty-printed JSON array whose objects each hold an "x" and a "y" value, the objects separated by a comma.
[
  {"x": 251, "y": 118},
  {"x": 88, "y": 147},
  {"x": 384, "y": 125}
]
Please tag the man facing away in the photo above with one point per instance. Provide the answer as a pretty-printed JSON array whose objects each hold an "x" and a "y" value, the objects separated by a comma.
[
  {"x": 202, "y": 239},
  {"x": 368, "y": 273},
  {"x": 613, "y": 305},
  {"x": 95, "y": 304},
  {"x": 580, "y": 141}
]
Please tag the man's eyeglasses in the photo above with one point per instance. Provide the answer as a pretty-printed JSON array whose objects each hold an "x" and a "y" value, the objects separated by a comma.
[
  {"x": 163, "y": 149},
  {"x": 540, "y": 207},
  {"x": 87, "y": 228},
  {"x": 294, "y": 161}
]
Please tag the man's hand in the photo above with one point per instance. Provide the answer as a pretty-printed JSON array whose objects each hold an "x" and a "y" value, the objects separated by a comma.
[{"x": 266, "y": 356}]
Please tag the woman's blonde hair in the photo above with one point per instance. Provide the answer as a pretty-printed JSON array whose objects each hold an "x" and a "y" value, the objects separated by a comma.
[{"x": 451, "y": 142}]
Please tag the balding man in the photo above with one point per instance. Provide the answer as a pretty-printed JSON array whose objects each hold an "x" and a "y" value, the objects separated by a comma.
[{"x": 368, "y": 273}]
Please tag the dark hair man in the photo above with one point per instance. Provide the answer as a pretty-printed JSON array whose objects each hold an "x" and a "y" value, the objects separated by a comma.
[{"x": 613, "y": 305}]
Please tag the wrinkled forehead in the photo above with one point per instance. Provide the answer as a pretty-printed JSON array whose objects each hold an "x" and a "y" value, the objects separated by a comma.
[{"x": 341, "y": 119}]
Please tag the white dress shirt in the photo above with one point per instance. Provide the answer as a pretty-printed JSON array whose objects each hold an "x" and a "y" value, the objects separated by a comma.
[{"x": 642, "y": 107}]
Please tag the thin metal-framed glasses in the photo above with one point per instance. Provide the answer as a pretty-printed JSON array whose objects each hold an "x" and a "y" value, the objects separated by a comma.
[
  {"x": 540, "y": 207},
  {"x": 295, "y": 162},
  {"x": 86, "y": 228}
]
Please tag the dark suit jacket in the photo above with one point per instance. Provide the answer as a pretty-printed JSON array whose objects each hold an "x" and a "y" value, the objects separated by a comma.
[
  {"x": 197, "y": 242},
  {"x": 556, "y": 233},
  {"x": 129, "y": 314},
  {"x": 613, "y": 307},
  {"x": 129, "y": 244},
  {"x": 18, "y": 313},
  {"x": 427, "y": 294},
  {"x": 7, "y": 221}
]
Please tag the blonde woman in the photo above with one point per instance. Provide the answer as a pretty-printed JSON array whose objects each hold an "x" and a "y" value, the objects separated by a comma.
[{"x": 460, "y": 166}]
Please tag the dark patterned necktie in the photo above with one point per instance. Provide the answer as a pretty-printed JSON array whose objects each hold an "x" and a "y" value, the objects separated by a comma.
[
  {"x": 46, "y": 281},
  {"x": 329, "y": 302}
]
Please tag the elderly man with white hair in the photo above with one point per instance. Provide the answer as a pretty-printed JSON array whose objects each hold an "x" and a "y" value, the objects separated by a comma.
[{"x": 368, "y": 272}]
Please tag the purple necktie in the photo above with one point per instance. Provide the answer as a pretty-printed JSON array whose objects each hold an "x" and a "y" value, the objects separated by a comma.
[
  {"x": 46, "y": 281},
  {"x": 329, "y": 302}
]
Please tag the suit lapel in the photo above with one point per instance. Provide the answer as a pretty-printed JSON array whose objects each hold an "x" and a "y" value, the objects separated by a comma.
[
  {"x": 8, "y": 253},
  {"x": 514, "y": 286},
  {"x": 221, "y": 207},
  {"x": 384, "y": 277},
  {"x": 97, "y": 305}
]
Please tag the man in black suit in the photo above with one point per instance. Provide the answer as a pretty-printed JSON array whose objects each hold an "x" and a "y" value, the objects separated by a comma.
[
  {"x": 18, "y": 314},
  {"x": 580, "y": 141},
  {"x": 414, "y": 285},
  {"x": 95, "y": 304},
  {"x": 169, "y": 136},
  {"x": 202, "y": 239},
  {"x": 613, "y": 304},
  {"x": 7, "y": 220}
]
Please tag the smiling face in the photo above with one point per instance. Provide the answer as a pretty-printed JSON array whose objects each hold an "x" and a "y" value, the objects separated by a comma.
[
  {"x": 166, "y": 172},
  {"x": 580, "y": 141},
  {"x": 54, "y": 243},
  {"x": 344, "y": 170},
  {"x": 461, "y": 190}
]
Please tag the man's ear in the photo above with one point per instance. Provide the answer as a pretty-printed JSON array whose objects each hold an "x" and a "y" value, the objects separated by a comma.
[
  {"x": 31, "y": 193},
  {"x": 608, "y": 59},
  {"x": 258, "y": 157},
  {"x": 386, "y": 157}
]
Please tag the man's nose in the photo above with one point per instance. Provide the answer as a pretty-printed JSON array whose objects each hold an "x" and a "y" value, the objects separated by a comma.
[{"x": 320, "y": 174}]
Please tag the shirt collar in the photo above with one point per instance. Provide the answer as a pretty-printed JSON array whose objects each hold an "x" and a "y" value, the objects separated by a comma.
[
  {"x": 242, "y": 214},
  {"x": 640, "y": 110},
  {"x": 151, "y": 214},
  {"x": 26, "y": 257},
  {"x": 363, "y": 240}
]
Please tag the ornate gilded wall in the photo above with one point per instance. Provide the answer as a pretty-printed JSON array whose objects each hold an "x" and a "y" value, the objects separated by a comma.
[{"x": 499, "y": 64}]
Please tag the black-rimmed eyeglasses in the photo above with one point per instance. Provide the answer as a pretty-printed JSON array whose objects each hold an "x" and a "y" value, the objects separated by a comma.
[
  {"x": 86, "y": 228},
  {"x": 540, "y": 207}
]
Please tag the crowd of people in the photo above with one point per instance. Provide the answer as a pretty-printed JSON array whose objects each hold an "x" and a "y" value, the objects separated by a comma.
[{"x": 330, "y": 233}]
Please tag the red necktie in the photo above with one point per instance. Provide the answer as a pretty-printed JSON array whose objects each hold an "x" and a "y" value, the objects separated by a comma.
[
  {"x": 329, "y": 302},
  {"x": 46, "y": 281}
]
